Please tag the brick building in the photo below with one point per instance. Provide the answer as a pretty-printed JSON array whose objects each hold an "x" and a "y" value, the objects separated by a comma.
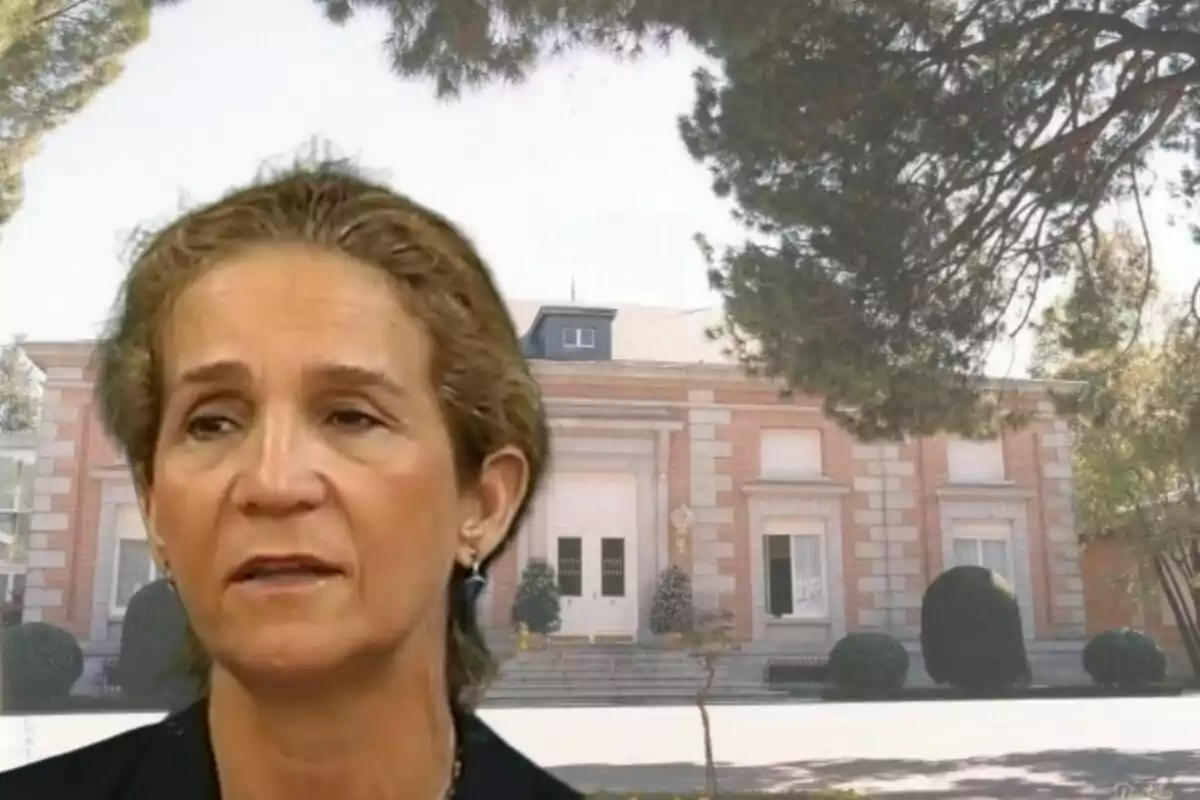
[{"x": 663, "y": 453}]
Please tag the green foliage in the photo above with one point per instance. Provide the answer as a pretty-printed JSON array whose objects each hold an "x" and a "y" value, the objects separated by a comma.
[
  {"x": 1135, "y": 422},
  {"x": 1103, "y": 311},
  {"x": 671, "y": 609},
  {"x": 39, "y": 664},
  {"x": 971, "y": 635},
  {"x": 1124, "y": 658},
  {"x": 54, "y": 56},
  {"x": 913, "y": 171},
  {"x": 537, "y": 604},
  {"x": 868, "y": 661},
  {"x": 18, "y": 390},
  {"x": 152, "y": 669}
]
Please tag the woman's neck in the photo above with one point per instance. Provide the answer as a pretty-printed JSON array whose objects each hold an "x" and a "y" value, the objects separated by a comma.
[{"x": 382, "y": 739}]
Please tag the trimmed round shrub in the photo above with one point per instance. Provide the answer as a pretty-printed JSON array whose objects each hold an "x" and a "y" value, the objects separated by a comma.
[
  {"x": 537, "y": 605},
  {"x": 152, "y": 668},
  {"x": 868, "y": 661},
  {"x": 1124, "y": 658},
  {"x": 671, "y": 610},
  {"x": 39, "y": 663},
  {"x": 971, "y": 635}
]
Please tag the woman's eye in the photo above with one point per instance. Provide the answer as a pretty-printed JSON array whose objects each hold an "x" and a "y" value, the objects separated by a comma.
[
  {"x": 352, "y": 420},
  {"x": 209, "y": 426}
]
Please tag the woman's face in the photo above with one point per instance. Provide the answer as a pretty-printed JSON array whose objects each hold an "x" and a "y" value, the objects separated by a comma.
[{"x": 303, "y": 491}]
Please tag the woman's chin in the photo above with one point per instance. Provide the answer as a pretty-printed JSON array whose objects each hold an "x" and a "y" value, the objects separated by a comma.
[{"x": 291, "y": 653}]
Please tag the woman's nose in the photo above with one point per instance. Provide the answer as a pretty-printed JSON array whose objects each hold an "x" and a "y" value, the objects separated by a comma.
[{"x": 277, "y": 475}]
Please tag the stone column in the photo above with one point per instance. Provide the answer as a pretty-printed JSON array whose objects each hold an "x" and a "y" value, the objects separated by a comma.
[
  {"x": 1067, "y": 609},
  {"x": 56, "y": 495},
  {"x": 889, "y": 560},
  {"x": 709, "y": 455}
]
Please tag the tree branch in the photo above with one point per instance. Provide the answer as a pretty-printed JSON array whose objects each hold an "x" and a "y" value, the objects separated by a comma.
[
  {"x": 1137, "y": 37},
  {"x": 49, "y": 16}
]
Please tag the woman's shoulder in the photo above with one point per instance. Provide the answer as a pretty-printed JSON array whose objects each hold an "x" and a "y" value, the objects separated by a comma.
[
  {"x": 490, "y": 764},
  {"x": 171, "y": 758},
  {"x": 95, "y": 772},
  {"x": 124, "y": 767}
]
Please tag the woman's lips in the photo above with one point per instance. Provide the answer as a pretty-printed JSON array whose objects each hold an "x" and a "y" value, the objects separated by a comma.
[{"x": 284, "y": 569}]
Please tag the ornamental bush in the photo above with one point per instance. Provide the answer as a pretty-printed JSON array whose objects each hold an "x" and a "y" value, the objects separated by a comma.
[
  {"x": 152, "y": 668},
  {"x": 971, "y": 636},
  {"x": 868, "y": 661},
  {"x": 39, "y": 663},
  {"x": 537, "y": 605},
  {"x": 671, "y": 610},
  {"x": 1124, "y": 658}
]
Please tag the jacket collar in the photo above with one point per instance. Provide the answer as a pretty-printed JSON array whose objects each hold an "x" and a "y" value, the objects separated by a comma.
[{"x": 179, "y": 761}]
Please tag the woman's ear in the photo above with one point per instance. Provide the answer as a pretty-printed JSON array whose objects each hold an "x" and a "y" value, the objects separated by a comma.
[{"x": 492, "y": 504}]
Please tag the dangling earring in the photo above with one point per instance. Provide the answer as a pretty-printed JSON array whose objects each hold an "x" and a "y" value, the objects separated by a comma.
[
  {"x": 169, "y": 578},
  {"x": 474, "y": 585}
]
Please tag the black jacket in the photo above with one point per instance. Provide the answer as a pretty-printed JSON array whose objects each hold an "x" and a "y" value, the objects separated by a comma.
[{"x": 173, "y": 759}]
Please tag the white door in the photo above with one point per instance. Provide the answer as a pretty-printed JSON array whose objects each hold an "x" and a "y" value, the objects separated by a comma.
[{"x": 592, "y": 531}]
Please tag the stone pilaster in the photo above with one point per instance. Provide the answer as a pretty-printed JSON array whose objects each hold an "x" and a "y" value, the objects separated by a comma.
[
  {"x": 709, "y": 455},
  {"x": 888, "y": 560},
  {"x": 55, "y": 495},
  {"x": 1067, "y": 608}
]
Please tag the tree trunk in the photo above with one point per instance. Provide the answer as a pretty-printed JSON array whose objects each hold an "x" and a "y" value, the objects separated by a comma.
[
  {"x": 1189, "y": 626},
  {"x": 710, "y": 765}
]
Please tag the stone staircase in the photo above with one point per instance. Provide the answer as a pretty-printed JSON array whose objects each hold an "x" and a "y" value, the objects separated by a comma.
[{"x": 615, "y": 674}]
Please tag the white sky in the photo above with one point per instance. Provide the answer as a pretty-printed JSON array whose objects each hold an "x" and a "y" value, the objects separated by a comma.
[{"x": 579, "y": 172}]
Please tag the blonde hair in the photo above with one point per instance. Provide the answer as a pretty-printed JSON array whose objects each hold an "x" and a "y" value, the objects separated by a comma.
[{"x": 488, "y": 398}]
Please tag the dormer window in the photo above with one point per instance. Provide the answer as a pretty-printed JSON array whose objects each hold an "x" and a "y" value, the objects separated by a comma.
[
  {"x": 570, "y": 333},
  {"x": 582, "y": 338}
]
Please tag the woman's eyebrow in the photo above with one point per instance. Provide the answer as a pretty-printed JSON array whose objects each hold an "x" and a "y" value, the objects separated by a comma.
[{"x": 350, "y": 375}]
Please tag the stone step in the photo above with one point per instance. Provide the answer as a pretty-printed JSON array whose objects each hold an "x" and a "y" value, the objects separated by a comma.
[
  {"x": 632, "y": 676},
  {"x": 572, "y": 696},
  {"x": 615, "y": 674},
  {"x": 618, "y": 690},
  {"x": 654, "y": 672},
  {"x": 682, "y": 685},
  {"x": 526, "y": 658}
]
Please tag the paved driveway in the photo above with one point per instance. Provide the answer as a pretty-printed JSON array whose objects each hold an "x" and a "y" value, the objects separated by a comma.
[
  {"x": 1023, "y": 750},
  {"x": 1026, "y": 750}
]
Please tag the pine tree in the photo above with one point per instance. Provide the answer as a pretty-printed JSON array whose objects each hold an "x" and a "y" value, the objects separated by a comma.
[
  {"x": 671, "y": 608},
  {"x": 537, "y": 605},
  {"x": 54, "y": 57}
]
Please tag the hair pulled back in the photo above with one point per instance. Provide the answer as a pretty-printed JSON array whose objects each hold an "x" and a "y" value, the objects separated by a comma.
[{"x": 487, "y": 396}]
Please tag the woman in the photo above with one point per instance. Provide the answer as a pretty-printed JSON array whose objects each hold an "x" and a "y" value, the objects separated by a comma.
[{"x": 332, "y": 432}]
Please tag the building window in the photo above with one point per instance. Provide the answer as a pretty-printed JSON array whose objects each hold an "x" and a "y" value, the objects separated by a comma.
[
  {"x": 984, "y": 545},
  {"x": 16, "y": 484},
  {"x": 795, "y": 572},
  {"x": 976, "y": 462},
  {"x": 12, "y": 583},
  {"x": 612, "y": 567},
  {"x": 14, "y": 535},
  {"x": 16, "y": 502},
  {"x": 584, "y": 338},
  {"x": 570, "y": 566},
  {"x": 133, "y": 561},
  {"x": 790, "y": 454}
]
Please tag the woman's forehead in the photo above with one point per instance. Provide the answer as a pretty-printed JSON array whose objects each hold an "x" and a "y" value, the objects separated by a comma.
[{"x": 302, "y": 307}]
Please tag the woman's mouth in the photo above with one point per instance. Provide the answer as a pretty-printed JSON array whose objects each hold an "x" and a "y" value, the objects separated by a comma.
[{"x": 283, "y": 571}]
